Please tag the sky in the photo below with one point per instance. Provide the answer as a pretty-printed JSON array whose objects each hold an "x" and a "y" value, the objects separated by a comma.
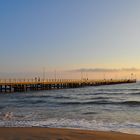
[{"x": 65, "y": 35}]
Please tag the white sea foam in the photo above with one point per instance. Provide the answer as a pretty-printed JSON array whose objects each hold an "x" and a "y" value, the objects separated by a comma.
[
  {"x": 8, "y": 116},
  {"x": 126, "y": 127}
]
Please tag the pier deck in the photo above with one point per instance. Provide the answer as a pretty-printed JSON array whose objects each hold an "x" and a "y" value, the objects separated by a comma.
[{"x": 22, "y": 85}]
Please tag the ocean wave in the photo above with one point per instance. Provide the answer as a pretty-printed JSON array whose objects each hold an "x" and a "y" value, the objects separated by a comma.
[
  {"x": 87, "y": 102},
  {"x": 62, "y": 97},
  {"x": 88, "y": 113},
  {"x": 99, "y": 98},
  {"x": 99, "y": 102},
  {"x": 137, "y": 93},
  {"x": 108, "y": 93},
  {"x": 131, "y": 102},
  {"x": 25, "y": 102},
  {"x": 39, "y": 96}
]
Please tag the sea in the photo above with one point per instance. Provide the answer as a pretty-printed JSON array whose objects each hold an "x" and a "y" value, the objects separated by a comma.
[{"x": 105, "y": 108}]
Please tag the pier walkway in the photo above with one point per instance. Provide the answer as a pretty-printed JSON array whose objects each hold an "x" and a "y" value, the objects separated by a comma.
[{"x": 23, "y": 85}]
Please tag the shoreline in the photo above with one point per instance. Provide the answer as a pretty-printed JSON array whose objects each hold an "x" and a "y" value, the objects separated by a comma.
[{"x": 38, "y": 133}]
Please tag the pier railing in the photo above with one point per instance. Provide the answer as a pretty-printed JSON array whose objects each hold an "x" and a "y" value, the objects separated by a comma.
[
  {"x": 6, "y": 81},
  {"x": 61, "y": 80}
]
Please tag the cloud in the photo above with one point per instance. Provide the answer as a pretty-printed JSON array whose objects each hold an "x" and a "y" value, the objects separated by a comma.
[{"x": 106, "y": 70}]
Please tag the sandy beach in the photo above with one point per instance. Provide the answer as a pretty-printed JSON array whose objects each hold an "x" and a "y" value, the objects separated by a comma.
[{"x": 35, "y": 133}]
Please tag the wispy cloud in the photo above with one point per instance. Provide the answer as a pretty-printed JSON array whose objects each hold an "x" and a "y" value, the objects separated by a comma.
[{"x": 105, "y": 70}]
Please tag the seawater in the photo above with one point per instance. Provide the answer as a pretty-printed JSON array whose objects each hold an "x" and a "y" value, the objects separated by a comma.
[{"x": 107, "y": 108}]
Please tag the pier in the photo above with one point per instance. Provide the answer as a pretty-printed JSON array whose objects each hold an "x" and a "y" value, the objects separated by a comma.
[{"x": 24, "y": 85}]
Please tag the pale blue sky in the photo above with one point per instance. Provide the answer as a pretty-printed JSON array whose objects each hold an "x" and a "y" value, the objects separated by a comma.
[{"x": 69, "y": 34}]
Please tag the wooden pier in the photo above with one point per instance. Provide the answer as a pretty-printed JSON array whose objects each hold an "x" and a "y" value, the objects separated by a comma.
[{"x": 23, "y": 85}]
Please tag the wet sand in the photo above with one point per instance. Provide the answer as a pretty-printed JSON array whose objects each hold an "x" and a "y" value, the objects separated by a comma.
[{"x": 36, "y": 133}]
